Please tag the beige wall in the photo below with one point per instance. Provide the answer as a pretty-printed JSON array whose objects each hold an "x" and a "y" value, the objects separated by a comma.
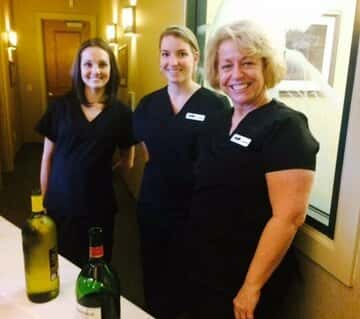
[
  {"x": 27, "y": 18},
  {"x": 321, "y": 296},
  {"x": 144, "y": 77}
]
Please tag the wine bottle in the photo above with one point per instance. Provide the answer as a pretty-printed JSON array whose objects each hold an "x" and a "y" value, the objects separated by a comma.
[
  {"x": 39, "y": 240},
  {"x": 97, "y": 286}
]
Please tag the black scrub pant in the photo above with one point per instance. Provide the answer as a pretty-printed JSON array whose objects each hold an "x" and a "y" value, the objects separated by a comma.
[
  {"x": 214, "y": 305},
  {"x": 161, "y": 253},
  {"x": 73, "y": 237},
  {"x": 207, "y": 303}
]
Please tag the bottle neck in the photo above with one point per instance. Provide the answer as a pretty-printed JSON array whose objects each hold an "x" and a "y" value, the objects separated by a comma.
[
  {"x": 96, "y": 252},
  {"x": 96, "y": 247}
]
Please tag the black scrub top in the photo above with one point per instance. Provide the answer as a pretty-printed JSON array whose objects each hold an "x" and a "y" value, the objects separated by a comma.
[
  {"x": 231, "y": 203},
  {"x": 172, "y": 142},
  {"x": 80, "y": 181}
]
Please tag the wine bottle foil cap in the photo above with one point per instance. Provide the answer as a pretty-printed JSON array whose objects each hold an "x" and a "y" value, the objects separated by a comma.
[
  {"x": 36, "y": 203},
  {"x": 96, "y": 252}
]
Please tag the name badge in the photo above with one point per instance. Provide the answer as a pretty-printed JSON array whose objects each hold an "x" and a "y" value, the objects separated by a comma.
[
  {"x": 241, "y": 140},
  {"x": 195, "y": 117}
]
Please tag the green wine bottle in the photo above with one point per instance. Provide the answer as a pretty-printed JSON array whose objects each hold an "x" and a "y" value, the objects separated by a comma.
[
  {"x": 97, "y": 286},
  {"x": 40, "y": 253}
]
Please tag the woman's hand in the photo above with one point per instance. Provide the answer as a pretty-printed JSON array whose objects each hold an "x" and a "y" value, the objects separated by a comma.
[{"x": 245, "y": 302}]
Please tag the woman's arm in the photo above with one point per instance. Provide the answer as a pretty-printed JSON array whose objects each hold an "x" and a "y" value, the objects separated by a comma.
[
  {"x": 46, "y": 163},
  {"x": 289, "y": 192}
]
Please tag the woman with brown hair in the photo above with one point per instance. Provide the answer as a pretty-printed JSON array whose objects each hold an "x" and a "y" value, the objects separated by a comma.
[{"x": 81, "y": 132}]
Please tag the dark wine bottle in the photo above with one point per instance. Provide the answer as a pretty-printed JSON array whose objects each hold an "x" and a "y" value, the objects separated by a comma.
[
  {"x": 97, "y": 286},
  {"x": 40, "y": 253}
]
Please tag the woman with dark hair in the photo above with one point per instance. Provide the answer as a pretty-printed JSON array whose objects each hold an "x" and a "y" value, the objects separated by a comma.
[{"x": 81, "y": 132}]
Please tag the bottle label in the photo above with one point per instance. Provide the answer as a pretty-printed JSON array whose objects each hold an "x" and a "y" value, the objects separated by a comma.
[
  {"x": 53, "y": 262},
  {"x": 83, "y": 312},
  {"x": 96, "y": 252}
]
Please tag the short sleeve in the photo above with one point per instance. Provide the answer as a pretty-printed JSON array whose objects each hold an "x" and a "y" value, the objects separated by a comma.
[
  {"x": 290, "y": 145},
  {"x": 48, "y": 123},
  {"x": 127, "y": 138},
  {"x": 139, "y": 120}
]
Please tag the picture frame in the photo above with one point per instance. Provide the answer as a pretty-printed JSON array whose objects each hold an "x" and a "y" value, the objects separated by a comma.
[
  {"x": 309, "y": 52},
  {"x": 123, "y": 57}
]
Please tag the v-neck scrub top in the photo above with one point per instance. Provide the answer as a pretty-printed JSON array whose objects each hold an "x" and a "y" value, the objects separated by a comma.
[
  {"x": 80, "y": 181},
  {"x": 231, "y": 204},
  {"x": 172, "y": 140}
]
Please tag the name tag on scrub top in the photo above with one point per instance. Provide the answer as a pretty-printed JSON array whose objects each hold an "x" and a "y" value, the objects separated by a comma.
[
  {"x": 241, "y": 140},
  {"x": 195, "y": 117}
]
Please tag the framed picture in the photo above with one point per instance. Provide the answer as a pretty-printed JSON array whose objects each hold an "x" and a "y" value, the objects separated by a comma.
[
  {"x": 311, "y": 55},
  {"x": 123, "y": 65}
]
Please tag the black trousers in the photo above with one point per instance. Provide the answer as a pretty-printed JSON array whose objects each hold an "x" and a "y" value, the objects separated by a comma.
[
  {"x": 163, "y": 271},
  {"x": 208, "y": 303},
  {"x": 216, "y": 305},
  {"x": 73, "y": 238}
]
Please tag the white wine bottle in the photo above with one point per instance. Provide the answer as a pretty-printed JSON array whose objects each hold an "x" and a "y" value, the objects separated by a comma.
[
  {"x": 40, "y": 253},
  {"x": 97, "y": 286}
]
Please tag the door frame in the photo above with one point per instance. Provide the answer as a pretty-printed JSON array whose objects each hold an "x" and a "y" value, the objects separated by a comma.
[
  {"x": 56, "y": 16},
  {"x": 6, "y": 141}
]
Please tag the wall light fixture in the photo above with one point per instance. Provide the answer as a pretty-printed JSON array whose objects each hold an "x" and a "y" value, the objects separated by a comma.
[
  {"x": 12, "y": 43},
  {"x": 128, "y": 20},
  {"x": 12, "y": 39},
  {"x": 111, "y": 34}
]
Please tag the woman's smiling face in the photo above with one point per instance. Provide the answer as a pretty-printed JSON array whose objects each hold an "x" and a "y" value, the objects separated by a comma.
[
  {"x": 241, "y": 76},
  {"x": 177, "y": 59},
  {"x": 95, "y": 68}
]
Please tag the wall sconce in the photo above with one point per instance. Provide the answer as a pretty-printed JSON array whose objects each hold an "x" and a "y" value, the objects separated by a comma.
[
  {"x": 128, "y": 20},
  {"x": 12, "y": 43},
  {"x": 111, "y": 33},
  {"x": 12, "y": 39}
]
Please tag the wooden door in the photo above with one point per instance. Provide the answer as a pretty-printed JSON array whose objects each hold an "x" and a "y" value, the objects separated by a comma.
[{"x": 61, "y": 42}]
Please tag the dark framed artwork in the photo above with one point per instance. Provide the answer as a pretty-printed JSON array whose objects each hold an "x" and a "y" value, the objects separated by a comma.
[{"x": 123, "y": 57}]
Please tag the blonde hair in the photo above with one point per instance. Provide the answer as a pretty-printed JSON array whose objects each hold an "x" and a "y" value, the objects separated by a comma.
[
  {"x": 183, "y": 33},
  {"x": 254, "y": 41}
]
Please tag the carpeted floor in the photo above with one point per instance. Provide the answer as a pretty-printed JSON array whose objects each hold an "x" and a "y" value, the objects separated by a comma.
[{"x": 15, "y": 206}]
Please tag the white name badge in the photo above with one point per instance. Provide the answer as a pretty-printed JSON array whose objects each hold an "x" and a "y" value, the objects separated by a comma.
[
  {"x": 195, "y": 117},
  {"x": 241, "y": 140}
]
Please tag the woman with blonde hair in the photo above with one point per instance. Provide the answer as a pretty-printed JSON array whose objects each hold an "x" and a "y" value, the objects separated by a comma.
[
  {"x": 169, "y": 122},
  {"x": 253, "y": 181}
]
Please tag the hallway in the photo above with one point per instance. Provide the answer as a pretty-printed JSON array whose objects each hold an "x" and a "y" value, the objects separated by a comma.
[{"x": 15, "y": 206}]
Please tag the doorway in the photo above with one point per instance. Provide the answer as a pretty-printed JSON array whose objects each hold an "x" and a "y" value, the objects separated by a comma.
[{"x": 61, "y": 40}]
